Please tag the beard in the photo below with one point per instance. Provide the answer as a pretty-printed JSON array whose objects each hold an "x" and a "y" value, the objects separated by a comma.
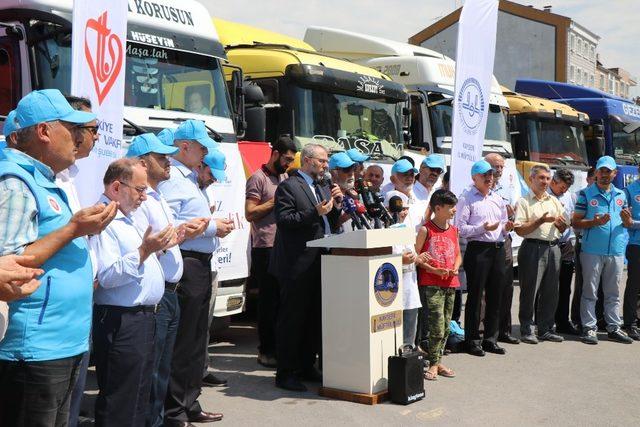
[{"x": 279, "y": 168}]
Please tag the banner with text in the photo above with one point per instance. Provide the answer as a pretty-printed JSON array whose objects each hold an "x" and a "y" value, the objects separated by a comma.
[
  {"x": 98, "y": 64},
  {"x": 231, "y": 260},
  {"x": 474, "y": 69}
]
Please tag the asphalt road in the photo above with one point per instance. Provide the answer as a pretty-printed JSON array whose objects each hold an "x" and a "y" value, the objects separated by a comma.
[{"x": 565, "y": 384}]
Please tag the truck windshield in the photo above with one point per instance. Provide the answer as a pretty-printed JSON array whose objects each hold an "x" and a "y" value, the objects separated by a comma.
[
  {"x": 626, "y": 146},
  {"x": 442, "y": 122},
  {"x": 343, "y": 122},
  {"x": 556, "y": 142},
  {"x": 156, "y": 78}
]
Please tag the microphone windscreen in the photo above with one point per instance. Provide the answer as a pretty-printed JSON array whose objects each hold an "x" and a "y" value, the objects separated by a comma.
[
  {"x": 327, "y": 178},
  {"x": 395, "y": 204}
]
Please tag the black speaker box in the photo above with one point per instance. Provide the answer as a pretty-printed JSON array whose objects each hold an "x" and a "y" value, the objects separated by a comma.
[{"x": 406, "y": 382}]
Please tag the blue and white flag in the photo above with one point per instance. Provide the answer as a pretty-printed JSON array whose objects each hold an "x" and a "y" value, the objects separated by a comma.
[{"x": 474, "y": 70}]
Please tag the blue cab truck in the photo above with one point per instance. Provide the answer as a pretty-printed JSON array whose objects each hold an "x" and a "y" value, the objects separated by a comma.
[{"x": 614, "y": 127}]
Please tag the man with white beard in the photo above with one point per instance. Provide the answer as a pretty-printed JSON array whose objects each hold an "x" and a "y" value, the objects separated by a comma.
[{"x": 342, "y": 170}]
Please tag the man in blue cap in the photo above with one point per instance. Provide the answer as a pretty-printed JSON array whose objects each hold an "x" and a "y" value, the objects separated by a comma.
[
  {"x": 430, "y": 170},
  {"x": 342, "y": 168},
  {"x": 188, "y": 202},
  {"x": 359, "y": 158},
  {"x": 48, "y": 331},
  {"x": 155, "y": 212},
  {"x": 482, "y": 220},
  {"x": 8, "y": 129},
  {"x": 598, "y": 211},
  {"x": 631, "y": 219}
]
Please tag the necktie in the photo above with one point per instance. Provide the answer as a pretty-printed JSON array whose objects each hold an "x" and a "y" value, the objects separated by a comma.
[{"x": 316, "y": 186}]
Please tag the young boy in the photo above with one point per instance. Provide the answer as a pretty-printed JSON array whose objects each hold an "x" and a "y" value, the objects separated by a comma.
[
  {"x": 410, "y": 296},
  {"x": 438, "y": 264}
]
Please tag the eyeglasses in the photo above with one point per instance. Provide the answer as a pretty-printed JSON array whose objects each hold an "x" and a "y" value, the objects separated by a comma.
[
  {"x": 140, "y": 190},
  {"x": 437, "y": 171},
  {"x": 92, "y": 129}
]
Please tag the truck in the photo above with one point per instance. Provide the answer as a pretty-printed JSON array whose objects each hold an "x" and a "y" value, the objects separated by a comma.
[
  {"x": 545, "y": 131},
  {"x": 313, "y": 97},
  {"x": 429, "y": 77},
  {"x": 613, "y": 126},
  {"x": 168, "y": 57}
]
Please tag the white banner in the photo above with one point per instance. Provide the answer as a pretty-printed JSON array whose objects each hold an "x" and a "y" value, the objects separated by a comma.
[
  {"x": 474, "y": 69},
  {"x": 231, "y": 260},
  {"x": 98, "y": 64}
]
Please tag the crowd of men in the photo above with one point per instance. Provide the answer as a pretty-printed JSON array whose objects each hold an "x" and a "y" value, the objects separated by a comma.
[{"x": 129, "y": 279}]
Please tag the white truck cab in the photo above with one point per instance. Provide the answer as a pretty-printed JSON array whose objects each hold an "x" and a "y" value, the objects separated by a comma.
[{"x": 173, "y": 55}]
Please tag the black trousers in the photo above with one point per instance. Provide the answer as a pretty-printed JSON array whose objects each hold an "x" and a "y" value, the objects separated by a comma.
[
  {"x": 299, "y": 328},
  {"x": 630, "y": 304},
  {"x": 567, "y": 268},
  {"x": 194, "y": 294},
  {"x": 504, "y": 321},
  {"x": 268, "y": 300},
  {"x": 123, "y": 340},
  {"x": 37, "y": 393},
  {"x": 484, "y": 264}
]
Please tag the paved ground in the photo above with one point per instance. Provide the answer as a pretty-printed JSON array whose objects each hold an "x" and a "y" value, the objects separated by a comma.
[{"x": 546, "y": 384}]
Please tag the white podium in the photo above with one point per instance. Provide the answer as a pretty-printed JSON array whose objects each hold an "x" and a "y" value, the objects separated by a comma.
[{"x": 361, "y": 301}]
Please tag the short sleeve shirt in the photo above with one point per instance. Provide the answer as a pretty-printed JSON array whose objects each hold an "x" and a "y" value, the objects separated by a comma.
[
  {"x": 530, "y": 207},
  {"x": 261, "y": 187}
]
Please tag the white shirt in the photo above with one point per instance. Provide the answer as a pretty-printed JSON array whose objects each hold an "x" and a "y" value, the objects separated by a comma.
[
  {"x": 421, "y": 192},
  {"x": 410, "y": 294},
  {"x": 187, "y": 202},
  {"x": 65, "y": 181},
  {"x": 155, "y": 212},
  {"x": 122, "y": 280}
]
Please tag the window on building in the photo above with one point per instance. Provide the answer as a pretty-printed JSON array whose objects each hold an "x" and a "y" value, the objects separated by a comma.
[
  {"x": 592, "y": 81},
  {"x": 573, "y": 43},
  {"x": 572, "y": 74},
  {"x": 579, "y": 47},
  {"x": 601, "y": 81}
]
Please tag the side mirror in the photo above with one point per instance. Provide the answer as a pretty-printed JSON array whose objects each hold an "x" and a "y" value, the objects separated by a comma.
[
  {"x": 253, "y": 95},
  {"x": 256, "y": 117},
  {"x": 238, "y": 101},
  {"x": 599, "y": 146}
]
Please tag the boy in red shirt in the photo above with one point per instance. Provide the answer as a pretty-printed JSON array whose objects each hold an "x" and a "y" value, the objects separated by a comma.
[{"x": 438, "y": 264}]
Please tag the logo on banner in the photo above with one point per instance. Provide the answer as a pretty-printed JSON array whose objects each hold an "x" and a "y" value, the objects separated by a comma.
[
  {"x": 105, "y": 62},
  {"x": 385, "y": 284},
  {"x": 54, "y": 204},
  {"x": 472, "y": 103}
]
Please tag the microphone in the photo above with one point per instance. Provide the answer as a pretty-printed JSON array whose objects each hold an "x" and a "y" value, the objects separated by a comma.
[
  {"x": 349, "y": 206},
  {"x": 395, "y": 207},
  {"x": 374, "y": 202},
  {"x": 361, "y": 212},
  {"x": 326, "y": 179}
]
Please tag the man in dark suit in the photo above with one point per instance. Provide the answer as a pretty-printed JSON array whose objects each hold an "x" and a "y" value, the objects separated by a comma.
[{"x": 305, "y": 209}]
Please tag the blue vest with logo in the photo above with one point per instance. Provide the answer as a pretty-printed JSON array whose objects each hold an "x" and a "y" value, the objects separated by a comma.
[
  {"x": 53, "y": 322},
  {"x": 633, "y": 197},
  {"x": 610, "y": 238}
]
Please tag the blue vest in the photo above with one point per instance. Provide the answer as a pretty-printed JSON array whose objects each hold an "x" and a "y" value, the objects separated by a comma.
[
  {"x": 633, "y": 197},
  {"x": 53, "y": 322},
  {"x": 610, "y": 238}
]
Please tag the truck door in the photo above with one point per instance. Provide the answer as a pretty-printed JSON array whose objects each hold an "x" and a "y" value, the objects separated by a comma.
[
  {"x": 420, "y": 129},
  {"x": 10, "y": 66}
]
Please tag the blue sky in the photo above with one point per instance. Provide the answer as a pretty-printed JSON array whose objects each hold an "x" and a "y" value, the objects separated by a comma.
[{"x": 615, "y": 21}]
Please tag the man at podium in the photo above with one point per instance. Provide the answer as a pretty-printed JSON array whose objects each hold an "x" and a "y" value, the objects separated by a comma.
[{"x": 306, "y": 208}]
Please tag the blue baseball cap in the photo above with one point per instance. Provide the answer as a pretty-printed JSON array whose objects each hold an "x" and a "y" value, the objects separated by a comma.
[
  {"x": 340, "y": 160},
  {"x": 606, "y": 162},
  {"x": 10, "y": 124},
  {"x": 357, "y": 155},
  {"x": 402, "y": 166},
  {"x": 46, "y": 106},
  {"x": 194, "y": 130},
  {"x": 434, "y": 161},
  {"x": 148, "y": 143},
  {"x": 480, "y": 167},
  {"x": 216, "y": 160},
  {"x": 166, "y": 136}
]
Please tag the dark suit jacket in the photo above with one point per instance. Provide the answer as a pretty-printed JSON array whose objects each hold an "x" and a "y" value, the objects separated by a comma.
[{"x": 298, "y": 222}]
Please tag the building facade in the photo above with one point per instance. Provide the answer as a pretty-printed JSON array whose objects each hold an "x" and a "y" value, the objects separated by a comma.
[{"x": 615, "y": 81}]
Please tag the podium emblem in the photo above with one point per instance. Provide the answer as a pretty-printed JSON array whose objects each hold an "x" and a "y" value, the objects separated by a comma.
[{"x": 385, "y": 284}]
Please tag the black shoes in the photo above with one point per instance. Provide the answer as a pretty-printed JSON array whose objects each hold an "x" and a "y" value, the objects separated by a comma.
[
  {"x": 474, "y": 350},
  {"x": 633, "y": 332},
  {"x": 212, "y": 381},
  {"x": 494, "y": 348},
  {"x": 290, "y": 383},
  {"x": 312, "y": 375},
  {"x": 619, "y": 336},
  {"x": 567, "y": 329},
  {"x": 509, "y": 339}
]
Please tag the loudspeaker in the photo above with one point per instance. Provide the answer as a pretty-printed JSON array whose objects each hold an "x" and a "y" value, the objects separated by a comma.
[{"x": 406, "y": 382}]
